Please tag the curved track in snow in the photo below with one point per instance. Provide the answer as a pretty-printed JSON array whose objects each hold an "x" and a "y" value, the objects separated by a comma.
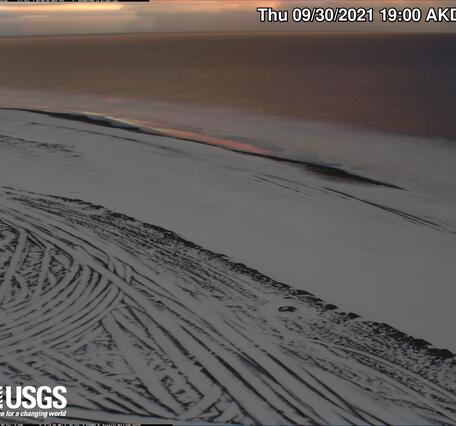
[{"x": 139, "y": 323}]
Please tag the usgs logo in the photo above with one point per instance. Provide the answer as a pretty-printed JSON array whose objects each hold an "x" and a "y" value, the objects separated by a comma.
[{"x": 29, "y": 397}]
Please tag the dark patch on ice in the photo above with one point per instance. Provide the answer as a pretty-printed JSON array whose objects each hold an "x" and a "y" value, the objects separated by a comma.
[
  {"x": 287, "y": 308},
  {"x": 329, "y": 171}
]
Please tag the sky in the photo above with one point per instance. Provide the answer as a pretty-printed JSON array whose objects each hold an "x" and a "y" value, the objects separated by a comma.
[{"x": 20, "y": 19}]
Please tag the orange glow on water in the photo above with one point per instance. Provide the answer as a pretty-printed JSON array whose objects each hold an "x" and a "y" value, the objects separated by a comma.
[{"x": 212, "y": 140}]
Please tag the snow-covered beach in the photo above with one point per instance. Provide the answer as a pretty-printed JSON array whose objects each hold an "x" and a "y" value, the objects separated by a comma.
[{"x": 175, "y": 280}]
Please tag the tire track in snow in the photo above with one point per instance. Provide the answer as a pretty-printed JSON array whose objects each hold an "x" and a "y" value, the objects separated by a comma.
[{"x": 137, "y": 321}]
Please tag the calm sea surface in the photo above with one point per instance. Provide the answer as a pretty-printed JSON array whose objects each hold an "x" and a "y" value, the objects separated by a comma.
[{"x": 402, "y": 84}]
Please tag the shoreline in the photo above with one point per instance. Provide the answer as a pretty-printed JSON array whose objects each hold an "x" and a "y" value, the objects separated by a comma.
[
  {"x": 415, "y": 164},
  {"x": 331, "y": 172},
  {"x": 376, "y": 95}
]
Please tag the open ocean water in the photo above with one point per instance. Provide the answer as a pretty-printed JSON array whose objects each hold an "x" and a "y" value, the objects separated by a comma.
[{"x": 380, "y": 104}]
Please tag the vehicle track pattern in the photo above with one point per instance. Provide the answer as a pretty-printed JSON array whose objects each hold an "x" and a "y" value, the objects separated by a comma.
[{"x": 136, "y": 321}]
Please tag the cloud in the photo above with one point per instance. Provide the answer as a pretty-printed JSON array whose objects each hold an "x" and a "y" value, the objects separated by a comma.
[{"x": 178, "y": 15}]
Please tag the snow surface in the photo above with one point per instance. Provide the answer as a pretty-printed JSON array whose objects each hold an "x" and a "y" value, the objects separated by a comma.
[
  {"x": 423, "y": 165},
  {"x": 288, "y": 224},
  {"x": 385, "y": 254}
]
